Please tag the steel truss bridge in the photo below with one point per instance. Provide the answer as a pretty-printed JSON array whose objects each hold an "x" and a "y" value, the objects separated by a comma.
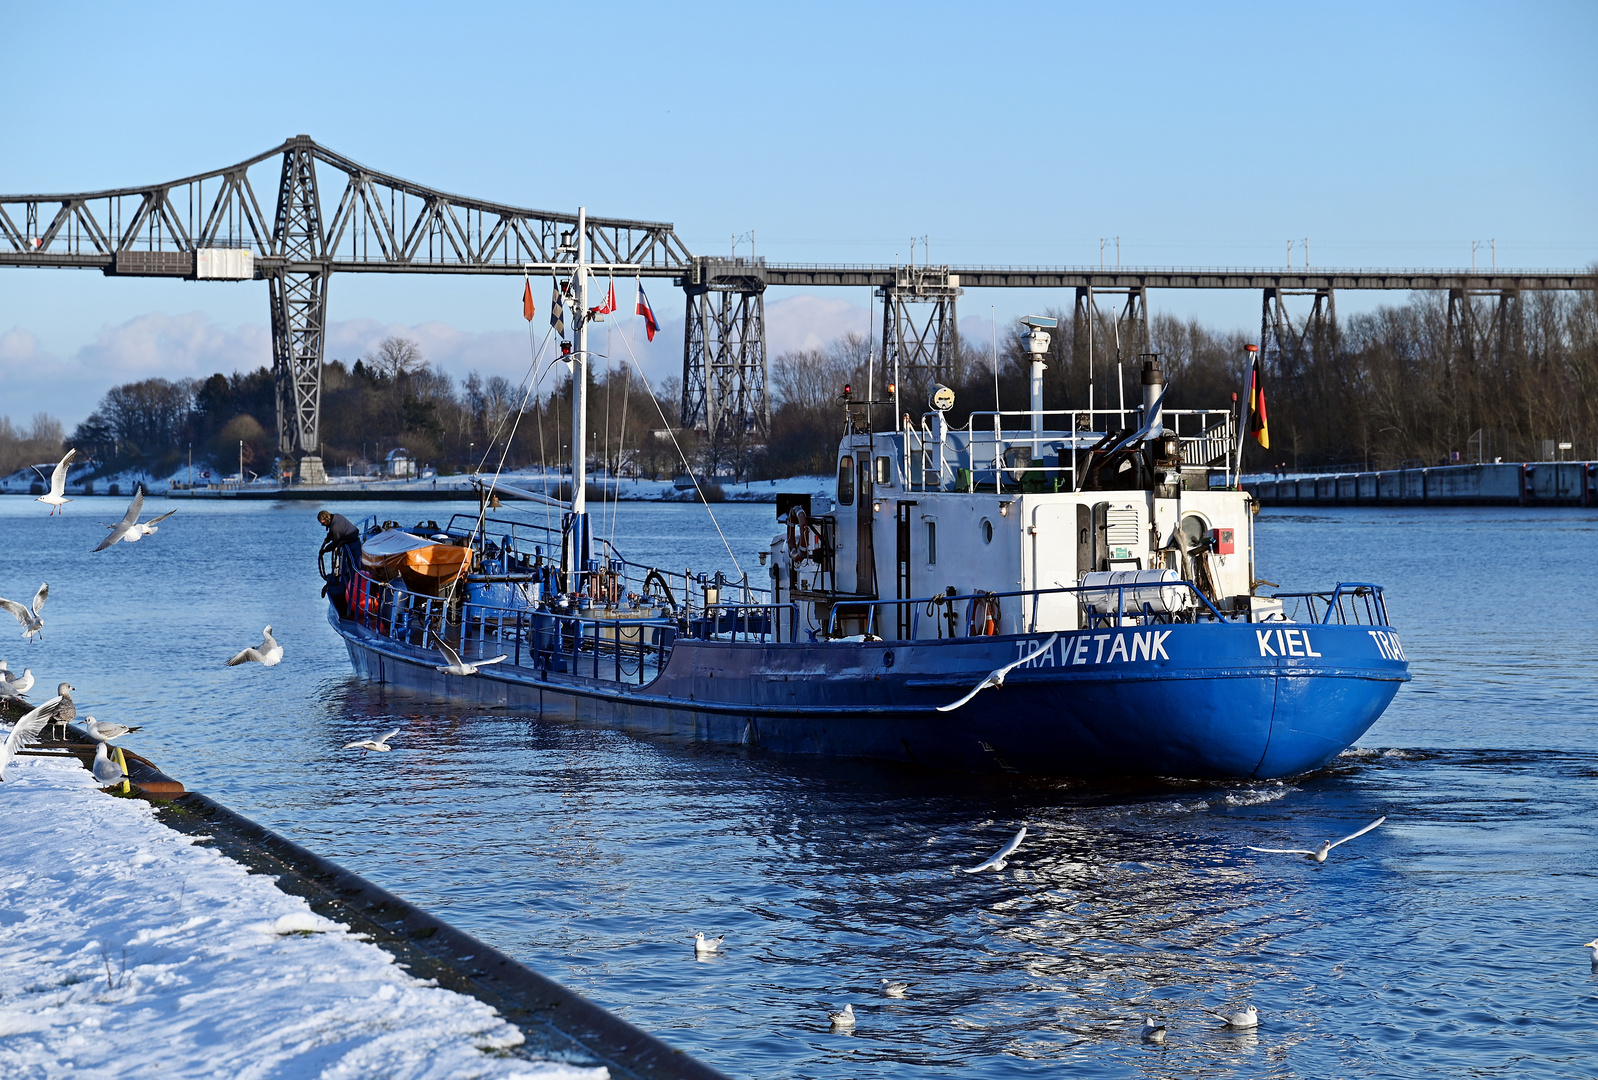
[{"x": 330, "y": 214}]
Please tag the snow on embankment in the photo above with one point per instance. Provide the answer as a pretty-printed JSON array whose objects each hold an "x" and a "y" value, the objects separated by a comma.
[{"x": 124, "y": 950}]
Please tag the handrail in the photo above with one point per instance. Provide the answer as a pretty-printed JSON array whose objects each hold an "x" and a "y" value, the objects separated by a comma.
[
  {"x": 1371, "y": 593},
  {"x": 1119, "y": 614}
]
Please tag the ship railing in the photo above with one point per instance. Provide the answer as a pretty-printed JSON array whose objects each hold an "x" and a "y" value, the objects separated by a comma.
[
  {"x": 758, "y": 623},
  {"x": 988, "y": 454},
  {"x": 618, "y": 648},
  {"x": 1344, "y": 605},
  {"x": 529, "y": 553},
  {"x": 1143, "y": 603}
]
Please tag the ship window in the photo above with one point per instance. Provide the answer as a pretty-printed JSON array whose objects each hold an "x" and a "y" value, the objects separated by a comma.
[
  {"x": 987, "y": 531},
  {"x": 932, "y": 543},
  {"x": 846, "y": 481},
  {"x": 884, "y": 471}
]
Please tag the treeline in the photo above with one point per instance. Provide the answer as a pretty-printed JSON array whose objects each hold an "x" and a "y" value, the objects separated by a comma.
[
  {"x": 1399, "y": 385},
  {"x": 33, "y": 445},
  {"x": 393, "y": 398},
  {"x": 1402, "y": 384}
]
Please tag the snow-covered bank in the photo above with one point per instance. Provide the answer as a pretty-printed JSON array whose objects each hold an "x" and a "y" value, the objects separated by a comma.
[{"x": 125, "y": 950}]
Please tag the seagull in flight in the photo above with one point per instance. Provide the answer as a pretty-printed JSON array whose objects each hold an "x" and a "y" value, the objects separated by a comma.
[
  {"x": 31, "y": 621},
  {"x": 894, "y": 989},
  {"x": 105, "y": 732},
  {"x": 844, "y": 1019},
  {"x": 998, "y": 861},
  {"x": 121, "y": 529},
  {"x": 996, "y": 676},
  {"x": 456, "y": 665},
  {"x": 379, "y": 745},
  {"x": 1320, "y": 853},
  {"x": 23, "y": 732},
  {"x": 267, "y": 653},
  {"x": 1243, "y": 1019},
  {"x": 147, "y": 528},
  {"x": 1152, "y": 1031},
  {"x": 703, "y": 944},
  {"x": 130, "y": 528},
  {"x": 57, "y": 495}
]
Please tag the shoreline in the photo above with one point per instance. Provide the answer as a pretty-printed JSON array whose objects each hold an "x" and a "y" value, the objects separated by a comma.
[{"x": 559, "y": 1025}]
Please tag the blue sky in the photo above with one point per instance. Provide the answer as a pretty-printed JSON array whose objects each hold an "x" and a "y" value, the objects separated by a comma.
[{"x": 1387, "y": 134}]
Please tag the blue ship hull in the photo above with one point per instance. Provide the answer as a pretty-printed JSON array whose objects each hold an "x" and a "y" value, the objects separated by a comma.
[{"x": 1202, "y": 700}]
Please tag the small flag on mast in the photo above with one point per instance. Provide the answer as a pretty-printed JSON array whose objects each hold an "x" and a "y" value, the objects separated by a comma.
[
  {"x": 610, "y": 301},
  {"x": 528, "y": 309},
  {"x": 1257, "y": 425},
  {"x": 643, "y": 308},
  {"x": 557, "y": 312}
]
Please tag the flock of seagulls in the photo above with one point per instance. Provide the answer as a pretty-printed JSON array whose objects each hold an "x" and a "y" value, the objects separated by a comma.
[
  {"x": 1246, "y": 1018},
  {"x": 61, "y": 710}
]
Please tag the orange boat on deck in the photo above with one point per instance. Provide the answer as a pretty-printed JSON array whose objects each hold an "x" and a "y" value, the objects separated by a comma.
[{"x": 424, "y": 567}]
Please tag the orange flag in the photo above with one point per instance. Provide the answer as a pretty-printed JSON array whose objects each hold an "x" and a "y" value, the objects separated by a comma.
[{"x": 528, "y": 311}]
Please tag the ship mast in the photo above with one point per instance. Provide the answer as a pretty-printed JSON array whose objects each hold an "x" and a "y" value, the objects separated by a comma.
[{"x": 577, "y": 539}]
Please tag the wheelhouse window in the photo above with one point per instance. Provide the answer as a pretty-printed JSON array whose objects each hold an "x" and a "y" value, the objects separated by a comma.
[
  {"x": 932, "y": 543},
  {"x": 846, "y": 481},
  {"x": 884, "y": 476}
]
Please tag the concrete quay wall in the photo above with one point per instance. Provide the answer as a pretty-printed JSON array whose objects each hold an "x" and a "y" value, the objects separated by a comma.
[{"x": 1540, "y": 483}]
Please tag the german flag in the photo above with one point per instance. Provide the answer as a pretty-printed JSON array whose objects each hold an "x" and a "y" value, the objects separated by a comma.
[{"x": 1257, "y": 425}]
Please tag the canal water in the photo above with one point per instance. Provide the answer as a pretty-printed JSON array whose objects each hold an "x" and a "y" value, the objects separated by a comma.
[{"x": 1444, "y": 943}]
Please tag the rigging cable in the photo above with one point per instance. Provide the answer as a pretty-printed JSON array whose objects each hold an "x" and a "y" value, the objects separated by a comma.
[{"x": 673, "y": 436}]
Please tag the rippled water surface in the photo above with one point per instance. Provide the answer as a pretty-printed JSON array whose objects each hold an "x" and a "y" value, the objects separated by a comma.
[{"x": 1443, "y": 944}]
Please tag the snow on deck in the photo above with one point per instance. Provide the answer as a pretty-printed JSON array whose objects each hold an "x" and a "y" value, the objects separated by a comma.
[{"x": 124, "y": 950}]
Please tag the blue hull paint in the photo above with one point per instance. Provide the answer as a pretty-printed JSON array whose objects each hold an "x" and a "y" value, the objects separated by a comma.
[{"x": 1227, "y": 700}]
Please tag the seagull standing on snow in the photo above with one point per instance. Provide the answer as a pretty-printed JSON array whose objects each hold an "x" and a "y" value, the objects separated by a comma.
[
  {"x": 703, "y": 944},
  {"x": 844, "y": 1019},
  {"x": 894, "y": 989},
  {"x": 996, "y": 676},
  {"x": 1320, "y": 853},
  {"x": 1246, "y": 1018},
  {"x": 57, "y": 495},
  {"x": 379, "y": 745},
  {"x": 23, "y": 732},
  {"x": 1153, "y": 1032},
  {"x": 267, "y": 653},
  {"x": 106, "y": 771},
  {"x": 456, "y": 665},
  {"x": 32, "y": 622},
  {"x": 998, "y": 861}
]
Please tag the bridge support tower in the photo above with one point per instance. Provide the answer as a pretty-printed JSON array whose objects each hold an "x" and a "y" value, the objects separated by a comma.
[
  {"x": 299, "y": 312},
  {"x": 724, "y": 363},
  {"x": 920, "y": 351}
]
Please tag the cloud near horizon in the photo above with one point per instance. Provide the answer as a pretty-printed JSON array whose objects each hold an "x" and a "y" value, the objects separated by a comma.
[{"x": 192, "y": 345}]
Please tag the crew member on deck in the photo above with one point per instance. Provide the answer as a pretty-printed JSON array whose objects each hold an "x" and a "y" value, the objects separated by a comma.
[
  {"x": 345, "y": 539},
  {"x": 340, "y": 531}
]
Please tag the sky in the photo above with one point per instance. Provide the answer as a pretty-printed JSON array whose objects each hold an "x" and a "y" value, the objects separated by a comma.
[{"x": 1200, "y": 135}]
